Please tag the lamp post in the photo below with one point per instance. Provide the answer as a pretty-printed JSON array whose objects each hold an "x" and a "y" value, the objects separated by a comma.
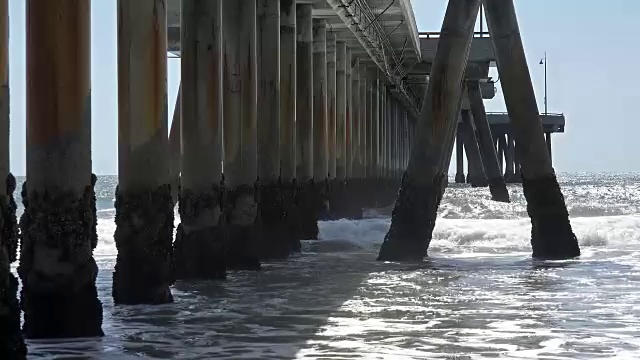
[
  {"x": 547, "y": 134},
  {"x": 544, "y": 61}
]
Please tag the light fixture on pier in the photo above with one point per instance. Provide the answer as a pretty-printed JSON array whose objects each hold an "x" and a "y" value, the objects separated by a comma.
[{"x": 543, "y": 61}]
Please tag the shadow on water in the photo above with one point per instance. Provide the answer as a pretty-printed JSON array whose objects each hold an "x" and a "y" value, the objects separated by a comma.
[{"x": 273, "y": 313}]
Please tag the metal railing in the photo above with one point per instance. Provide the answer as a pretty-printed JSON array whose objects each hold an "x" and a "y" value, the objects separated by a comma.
[
  {"x": 436, "y": 35},
  {"x": 541, "y": 114},
  {"x": 379, "y": 45}
]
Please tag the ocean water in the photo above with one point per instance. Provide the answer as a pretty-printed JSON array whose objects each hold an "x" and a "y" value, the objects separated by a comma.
[{"x": 478, "y": 295}]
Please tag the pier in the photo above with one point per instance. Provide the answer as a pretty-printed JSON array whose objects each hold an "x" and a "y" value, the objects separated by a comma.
[{"x": 289, "y": 113}]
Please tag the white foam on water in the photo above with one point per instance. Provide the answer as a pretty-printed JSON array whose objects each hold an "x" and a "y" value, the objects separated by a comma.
[
  {"x": 450, "y": 235},
  {"x": 487, "y": 235}
]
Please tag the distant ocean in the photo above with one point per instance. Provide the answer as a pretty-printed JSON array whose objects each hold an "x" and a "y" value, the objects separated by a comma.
[{"x": 478, "y": 295}]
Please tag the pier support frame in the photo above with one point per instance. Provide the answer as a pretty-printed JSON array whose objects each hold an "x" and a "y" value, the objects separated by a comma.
[
  {"x": 414, "y": 214},
  {"x": 144, "y": 207},
  {"x": 551, "y": 234},
  {"x": 57, "y": 268},
  {"x": 199, "y": 244},
  {"x": 288, "y": 98},
  {"x": 240, "y": 94},
  {"x": 12, "y": 344}
]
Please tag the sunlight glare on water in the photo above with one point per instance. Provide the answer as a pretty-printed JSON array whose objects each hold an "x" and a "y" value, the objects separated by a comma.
[{"x": 478, "y": 295}]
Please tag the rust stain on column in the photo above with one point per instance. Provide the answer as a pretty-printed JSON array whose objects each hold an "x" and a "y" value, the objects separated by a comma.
[
  {"x": 240, "y": 92},
  {"x": 58, "y": 95},
  {"x": 142, "y": 95},
  {"x": 202, "y": 100}
]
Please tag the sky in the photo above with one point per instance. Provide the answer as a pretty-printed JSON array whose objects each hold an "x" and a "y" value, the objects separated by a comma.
[{"x": 592, "y": 50}]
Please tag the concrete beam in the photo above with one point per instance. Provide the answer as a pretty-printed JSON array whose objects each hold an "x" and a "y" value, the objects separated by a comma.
[{"x": 364, "y": 116}]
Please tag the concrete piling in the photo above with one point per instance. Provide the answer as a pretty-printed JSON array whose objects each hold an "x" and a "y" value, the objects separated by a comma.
[
  {"x": 349, "y": 208},
  {"x": 375, "y": 134},
  {"x": 501, "y": 145},
  {"x": 355, "y": 182},
  {"x": 497, "y": 185},
  {"x": 510, "y": 159},
  {"x": 414, "y": 214},
  {"x": 548, "y": 140},
  {"x": 144, "y": 207},
  {"x": 305, "y": 198},
  {"x": 199, "y": 244},
  {"x": 57, "y": 268},
  {"x": 288, "y": 71},
  {"x": 175, "y": 147},
  {"x": 275, "y": 238},
  {"x": 382, "y": 112},
  {"x": 320, "y": 117},
  {"x": 240, "y": 95},
  {"x": 477, "y": 177},
  {"x": 389, "y": 125},
  {"x": 12, "y": 344},
  {"x": 551, "y": 234},
  {"x": 460, "y": 178},
  {"x": 369, "y": 124},
  {"x": 331, "y": 124},
  {"x": 365, "y": 111},
  {"x": 348, "y": 132},
  {"x": 339, "y": 194},
  {"x": 331, "y": 104}
]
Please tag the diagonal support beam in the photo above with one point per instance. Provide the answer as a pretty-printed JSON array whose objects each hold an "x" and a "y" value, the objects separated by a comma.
[
  {"x": 551, "y": 234},
  {"x": 423, "y": 183},
  {"x": 497, "y": 185}
]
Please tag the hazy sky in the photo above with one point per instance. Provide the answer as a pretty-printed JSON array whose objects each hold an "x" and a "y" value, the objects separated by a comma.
[{"x": 593, "y": 78}]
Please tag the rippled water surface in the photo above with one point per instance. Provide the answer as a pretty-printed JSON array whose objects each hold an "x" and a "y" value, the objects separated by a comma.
[{"x": 478, "y": 296}]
